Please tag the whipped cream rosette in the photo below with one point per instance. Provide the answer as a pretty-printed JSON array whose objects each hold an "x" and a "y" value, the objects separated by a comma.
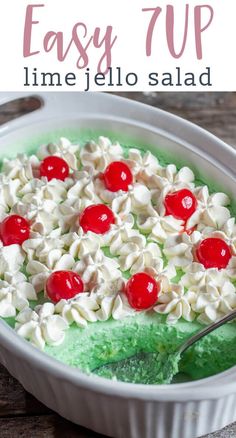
[
  {"x": 136, "y": 200},
  {"x": 94, "y": 268},
  {"x": 211, "y": 209},
  {"x": 79, "y": 243},
  {"x": 40, "y": 245},
  {"x": 109, "y": 288},
  {"x": 83, "y": 186},
  {"x": 231, "y": 268},
  {"x": 179, "y": 249},
  {"x": 99, "y": 155},
  {"x": 15, "y": 294},
  {"x": 55, "y": 261},
  {"x": 175, "y": 302},
  {"x": 158, "y": 228},
  {"x": 79, "y": 310},
  {"x": 197, "y": 276},
  {"x": 41, "y": 214},
  {"x": 143, "y": 166},
  {"x": 161, "y": 272},
  {"x": 135, "y": 258},
  {"x": 12, "y": 258},
  {"x": 67, "y": 213},
  {"x": 214, "y": 300},
  {"x": 226, "y": 233},
  {"x": 92, "y": 307},
  {"x": 64, "y": 149},
  {"x": 41, "y": 325},
  {"x": 9, "y": 191},
  {"x": 22, "y": 167},
  {"x": 169, "y": 180},
  {"x": 111, "y": 300},
  {"x": 42, "y": 189},
  {"x": 123, "y": 232},
  {"x": 121, "y": 308}
]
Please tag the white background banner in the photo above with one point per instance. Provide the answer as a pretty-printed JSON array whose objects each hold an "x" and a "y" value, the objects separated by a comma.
[{"x": 135, "y": 45}]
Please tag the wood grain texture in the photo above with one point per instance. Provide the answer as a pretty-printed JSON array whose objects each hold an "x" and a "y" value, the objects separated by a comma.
[
  {"x": 21, "y": 415},
  {"x": 47, "y": 426},
  {"x": 215, "y": 112},
  {"x": 17, "y": 108},
  {"x": 14, "y": 400}
]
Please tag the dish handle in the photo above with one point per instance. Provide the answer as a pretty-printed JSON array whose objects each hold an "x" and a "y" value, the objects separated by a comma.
[{"x": 51, "y": 106}]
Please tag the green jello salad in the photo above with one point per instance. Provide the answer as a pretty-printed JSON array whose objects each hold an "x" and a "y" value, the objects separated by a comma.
[{"x": 108, "y": 252}]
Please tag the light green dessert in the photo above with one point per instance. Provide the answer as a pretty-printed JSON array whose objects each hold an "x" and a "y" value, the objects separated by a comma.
[
  {"x": 105, "y": 319},
  {"x": 110, "y": 342}
]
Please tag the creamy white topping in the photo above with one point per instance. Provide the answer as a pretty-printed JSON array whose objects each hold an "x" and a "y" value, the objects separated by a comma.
[
  {"x": 41, "y": 326},
  {"x": 143, "y": 166},
  {"x": 135, "y": 259},
  {"x": 169, "y": 180},
  {"x": 231, "y": 268},
  {"x": 122, "y": 232},
  {"x": 40, "y": 213},
  {"x": 175, "y": 302},
  {"x": 9, "y": 189},
  {"x": 213, "y": 301},
  {"x": 55, "y": 261},
  {"x": 99, "y": 155},
  {"x": 197, "y": 276},
  {"x": 136, "y": 200},
  {"x": 167, "y": 272},
  {"x": 42, "y": 189},
  {"x": 211, "y": 209},
  {"x": 88, "y": 307},
  {"x": 159, "y": 228},
  {"x": 79, "y": 309},
  {"x": 22, "y": 167},
  {"x": 179, "y": 249},
  {"x": 64, "y": 149},
  {"x": 227, "y": 233},
  {"x": 11, "y": 259},
  {"x": 83, "y": 187},
  {"x": 68, "y": 213},
  {"x": 95, "y": 268},
  {"x": 79, "y": 243},
  {"x": 15, "y": 293},
  {"x": 39, "y": 245}
]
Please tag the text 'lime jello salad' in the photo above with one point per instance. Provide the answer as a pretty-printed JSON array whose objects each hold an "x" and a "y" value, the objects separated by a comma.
[{"x": 106, "y": 253}]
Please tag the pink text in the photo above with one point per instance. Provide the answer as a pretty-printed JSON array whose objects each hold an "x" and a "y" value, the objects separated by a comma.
[{"x": 81, "y": 39}]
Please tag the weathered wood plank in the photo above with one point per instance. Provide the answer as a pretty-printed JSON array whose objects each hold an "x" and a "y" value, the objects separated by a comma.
[
  {"x": 47, "y": 426},
  {"x": 215, "y": 112},
  {"x": 14, "y": 400},
  {"x": 11, "y": 110}
]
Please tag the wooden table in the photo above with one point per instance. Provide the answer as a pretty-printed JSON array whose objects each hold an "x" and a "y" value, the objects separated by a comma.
[{"x": 21, "y": 415}]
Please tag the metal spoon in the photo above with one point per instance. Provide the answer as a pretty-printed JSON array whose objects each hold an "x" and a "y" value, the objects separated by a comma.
[{"x": 154, "y": 368}]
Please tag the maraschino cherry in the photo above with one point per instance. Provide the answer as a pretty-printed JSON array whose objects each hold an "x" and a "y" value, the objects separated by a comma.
[
  {"x": 117, "y": 176},
  {"x": 54, "y": 167},
  {"x": 63, "y": 285},
  {"x": 14, "y": 229},
  {"x": 181, "y": 204},
  {"x": 142, "y": 291},
  {"x": 97, "y": 218},
  {"x": 213, "y": 253}
]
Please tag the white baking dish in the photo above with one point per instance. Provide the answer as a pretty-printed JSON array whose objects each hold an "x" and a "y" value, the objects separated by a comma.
[{"x": 117, "y": 409}]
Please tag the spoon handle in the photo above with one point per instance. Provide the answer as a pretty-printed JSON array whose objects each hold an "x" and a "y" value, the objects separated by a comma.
[{"x": 207, "y": 330}]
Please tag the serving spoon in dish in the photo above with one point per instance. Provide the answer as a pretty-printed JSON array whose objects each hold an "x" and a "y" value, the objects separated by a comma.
[{"x": 156, "y": 368}]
